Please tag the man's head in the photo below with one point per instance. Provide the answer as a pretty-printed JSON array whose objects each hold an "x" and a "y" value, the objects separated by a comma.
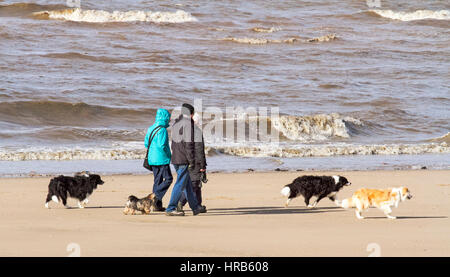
[{"x": 187, "y": 109}]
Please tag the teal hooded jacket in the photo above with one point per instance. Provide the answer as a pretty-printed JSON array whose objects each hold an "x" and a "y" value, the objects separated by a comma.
[{"x": 159, "y": 153}]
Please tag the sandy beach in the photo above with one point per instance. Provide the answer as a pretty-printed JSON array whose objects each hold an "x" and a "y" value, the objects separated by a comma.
[{"x": 245, "y": 217}]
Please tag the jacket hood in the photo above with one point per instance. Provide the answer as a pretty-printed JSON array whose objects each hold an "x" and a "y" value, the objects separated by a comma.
[{"x": 162, "y": 117}]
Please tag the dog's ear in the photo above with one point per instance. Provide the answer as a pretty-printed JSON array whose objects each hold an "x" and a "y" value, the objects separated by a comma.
[{"x": 404, "y": 190}]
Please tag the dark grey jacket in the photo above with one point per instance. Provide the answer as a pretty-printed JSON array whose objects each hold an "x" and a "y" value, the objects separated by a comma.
[
  {"x": 199, "y": 155},
  {"x": 183, "y": 141},
  {"x": 188, "y": 146}
]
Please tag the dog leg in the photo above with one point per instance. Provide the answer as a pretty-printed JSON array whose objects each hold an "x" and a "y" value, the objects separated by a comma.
[
  {"x": 80, "y": 205},
  {"x": 317, "y": 201},
  {"x": 64, "y": 202},
  {"x": 390, "y": 216},
  {"x": 46, "y": 205},
  {"x": 387, "y": 211},
  {"x": 358, "y": 214},
  {"x": 85, "y": 201},
  {"x": 332, "y": 197},
  {"x": 307, "y": 201},
  {"x": 287, "y": 202},
  {"x": 313, "y": 205},
  {"x": 55, "y": 199},
  {"x": 147, "y": 210}
]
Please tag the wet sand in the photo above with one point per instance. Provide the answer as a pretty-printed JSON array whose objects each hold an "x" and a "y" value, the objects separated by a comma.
[{"x": 245, "y": 217}]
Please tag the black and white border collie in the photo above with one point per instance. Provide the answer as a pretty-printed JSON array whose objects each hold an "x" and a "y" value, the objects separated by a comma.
[
  {"x": 81, "y": 186},
  {"x": 309, "y": 186}
]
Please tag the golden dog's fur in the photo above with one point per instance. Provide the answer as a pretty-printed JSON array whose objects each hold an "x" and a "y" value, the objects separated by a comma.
[{"x": 383, "y": 199}]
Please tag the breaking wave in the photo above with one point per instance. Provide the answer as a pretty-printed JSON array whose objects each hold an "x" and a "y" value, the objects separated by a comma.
[
  {"x": 266, "y": 30},
  {"x": 100, "y": 16},
  {"x": 416, "y": 15},
  {"x": 315, "y": 127},
  {"x": 246, "y": 40}
]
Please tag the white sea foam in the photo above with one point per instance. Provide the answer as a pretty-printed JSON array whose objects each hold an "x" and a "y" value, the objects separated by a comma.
[
  {"x": 246, "y": 40},
  {"x": 236, "y": 149},
  {"x": 266, "y": 30},
  {"x": 72, "y": 154},
  {"x": 100, "y": 16},
  {"x": 333, "y": 150},
  {"x": 416, "y": 15}
]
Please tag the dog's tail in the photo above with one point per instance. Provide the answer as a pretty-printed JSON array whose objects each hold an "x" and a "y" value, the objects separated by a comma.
[
  {"x": 346, "y": 203},
  {"x": 286, "y": 191}
]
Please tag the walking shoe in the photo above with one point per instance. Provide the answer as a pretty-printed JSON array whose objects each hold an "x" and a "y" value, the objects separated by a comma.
[
  {"x": 199, "y": 210},
  {"x": 179, "y": 207},
  {"x": 157, "y": 206},
  {"x": 175, "y": 213}
]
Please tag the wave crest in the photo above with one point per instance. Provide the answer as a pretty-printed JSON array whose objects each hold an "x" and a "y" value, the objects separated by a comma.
[
  {"x": 246, "y": 40},
  {"x": 100, "y": 16},
  {"x": 314, "y": 128},
  {"x": 416, "y": 15},
  {"x": 266, "y": 30}
]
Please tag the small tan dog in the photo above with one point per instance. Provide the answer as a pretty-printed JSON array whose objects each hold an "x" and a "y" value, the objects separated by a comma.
[
  {"x": 145, "y": 205},
  {"x": 384, "y": 199}
]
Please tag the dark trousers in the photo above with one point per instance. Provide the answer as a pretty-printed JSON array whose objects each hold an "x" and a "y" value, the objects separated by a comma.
[
  {"x": 197, "y": 188},
  {"x": 162, "y": 180}
]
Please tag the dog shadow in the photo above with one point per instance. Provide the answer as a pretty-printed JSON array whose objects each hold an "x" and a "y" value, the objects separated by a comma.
[
  {"x": 103, "y": 207},
  {"x": 268, "y": 210},
  {"x": 408, "y": 217}
]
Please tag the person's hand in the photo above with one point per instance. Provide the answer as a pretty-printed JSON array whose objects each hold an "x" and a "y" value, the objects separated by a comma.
[{"x": 202, "y": 170}]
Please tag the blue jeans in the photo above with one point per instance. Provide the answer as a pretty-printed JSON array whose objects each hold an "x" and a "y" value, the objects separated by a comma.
[
  {"x": 163, "y": 178},
  {"x": 197, "y": 188},
  {"x": 183, "y": 182}
]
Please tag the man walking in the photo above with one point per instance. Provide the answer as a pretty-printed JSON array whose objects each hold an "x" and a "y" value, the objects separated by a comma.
[
  {"x": 183, "y": 158},
  {"x": 159, "y": 156},
  {"x": 196, "y": 173}
]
